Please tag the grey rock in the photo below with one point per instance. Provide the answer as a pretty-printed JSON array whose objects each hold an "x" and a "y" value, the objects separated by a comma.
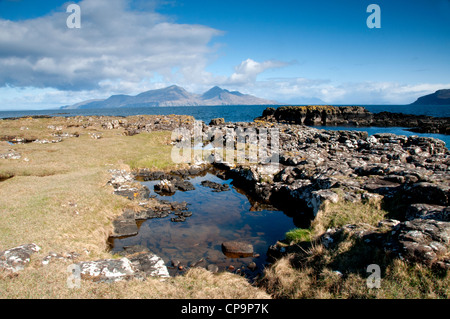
[
  {"x": 216, "y": 187},
  {"x": 427, "y": 211},
  {"x": 135, "y": 266},
  {"x": 165, "y": 186},
  {"x": 217, "y": 121},
  {"x": 17, "y": 258},
  {"x": 425, "y": 241},
  {"x": 428, "y": 193},
  {"x": 124, "y": 227}
]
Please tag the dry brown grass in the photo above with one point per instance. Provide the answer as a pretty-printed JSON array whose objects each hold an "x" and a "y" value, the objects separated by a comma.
[
  {"x": 37, "y": 282},
  {"x": 399, "y": 281}
]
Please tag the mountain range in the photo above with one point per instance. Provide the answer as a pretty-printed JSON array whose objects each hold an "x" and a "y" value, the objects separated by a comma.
[
  {"x": 440, "y": 97},
  {"x": 174, "y": 96}
]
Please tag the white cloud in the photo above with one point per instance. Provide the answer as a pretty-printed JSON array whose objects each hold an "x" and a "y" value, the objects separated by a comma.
[
  {"x": 306, "y": 91},
  {"x": 114, "y": 43},
  {"x": 249, "y": 69}
]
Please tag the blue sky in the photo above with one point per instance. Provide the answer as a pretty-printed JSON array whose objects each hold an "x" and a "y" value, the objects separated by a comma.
[{"x": 296, "y": 52}]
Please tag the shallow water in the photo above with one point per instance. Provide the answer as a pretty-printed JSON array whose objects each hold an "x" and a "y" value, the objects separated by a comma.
[{"x": 217, "y": 217}]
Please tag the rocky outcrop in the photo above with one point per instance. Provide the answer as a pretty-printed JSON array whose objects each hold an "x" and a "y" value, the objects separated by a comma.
[
  {"x": 139, "y": 265},
  {"x": 354, "y": 116},
  {"x": 426, "y": 241},
  {"x": 314, "y": 163},
  {"x": 440, "y": 97}
]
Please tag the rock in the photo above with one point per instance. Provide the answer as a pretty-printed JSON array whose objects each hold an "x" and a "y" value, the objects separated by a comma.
[
  {"x": 213, "y": 268},
  {"x": 216, "y": 186},
  {"x": 149, "y": 264},
  {"x": 119, "y": 177},
  {"x": 179, "y": 206},
  {"x": 217, "y": 121},
  {"x": 184, "y": 186},
  {"x": 178, "y": 219},
  {"x": 124, "y": 227},
  {"x": 237, "y": 249},
  {"x": 425, "y": 241},
  {"x": 10, "y": 155},
  {"x": 52, "y": 256},
  {"x": 195, "y": 170},
  {"x": 252, "y": 266},
  {"x": 320, "y": 198},
  {"x": 428, "y": 193},
  {"x": 186, "y": 214},
  {"x": 109, "y": 270},
  {"x": 165, "y": 186},
  {"x": 426, "y": 211},
  {"x": 381, "y": 186},
  {"x": 16, "y": 259},
  {"x": 96, "y": 136},
  {"x": 137, "y": 265},
  {"x": 390, "y": 223},
  {"x": 353, "y": 115},
  {"x": 132, "y": 191}
]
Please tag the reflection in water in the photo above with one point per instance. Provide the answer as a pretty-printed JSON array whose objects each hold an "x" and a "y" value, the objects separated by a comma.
[{"x": 216, "y": 217}]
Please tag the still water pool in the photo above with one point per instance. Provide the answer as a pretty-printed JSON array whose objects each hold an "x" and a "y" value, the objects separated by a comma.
[{"x": 216, "y": 217}]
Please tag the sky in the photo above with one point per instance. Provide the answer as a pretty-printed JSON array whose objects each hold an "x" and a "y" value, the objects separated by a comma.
[{"x": 291, "y": 51}]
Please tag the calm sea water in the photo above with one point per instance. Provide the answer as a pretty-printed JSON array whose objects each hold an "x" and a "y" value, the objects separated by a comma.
[{"x": 241, "y": 113}]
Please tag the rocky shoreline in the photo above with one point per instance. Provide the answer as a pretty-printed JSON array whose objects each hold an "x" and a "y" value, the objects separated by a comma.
[
  {"x": 354, "y": 116},
  {"x": 409, "y": 176}
]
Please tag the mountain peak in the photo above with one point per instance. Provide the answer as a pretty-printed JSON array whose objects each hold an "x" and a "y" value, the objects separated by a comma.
[
  {"x": 174, "y": 87},
  {"x": 175, "y": 95},
  {"x": 213, "y": 92}
]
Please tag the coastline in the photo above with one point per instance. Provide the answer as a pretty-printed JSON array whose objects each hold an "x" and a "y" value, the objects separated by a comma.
[{"x": 322, "y": 174}]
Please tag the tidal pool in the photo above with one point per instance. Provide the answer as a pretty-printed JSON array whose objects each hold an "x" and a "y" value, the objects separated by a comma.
[{"x": 216, "y": 217}]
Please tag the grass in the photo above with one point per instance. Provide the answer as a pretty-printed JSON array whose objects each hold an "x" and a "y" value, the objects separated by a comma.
[
  {"x": 344, "y": 212},
  {"x": 298, "y": 235},
  {"x": 400, "y": 280},
  {"x": 36, "y": 282},
  {"x": 313, "y": 271},
  {"x": 59, "y": 199}
]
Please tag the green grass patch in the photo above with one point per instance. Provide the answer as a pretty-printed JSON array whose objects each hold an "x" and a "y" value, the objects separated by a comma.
[{"x": 298, "y": 235}]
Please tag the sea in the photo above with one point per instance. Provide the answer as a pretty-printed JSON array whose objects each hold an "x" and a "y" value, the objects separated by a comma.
[{"x": 245, "y": 113}]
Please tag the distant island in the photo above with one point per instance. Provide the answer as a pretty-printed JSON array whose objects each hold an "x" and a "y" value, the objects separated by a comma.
[
  {"x": 173, "y": 96},
  {"x": 440, "y": 97}
]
